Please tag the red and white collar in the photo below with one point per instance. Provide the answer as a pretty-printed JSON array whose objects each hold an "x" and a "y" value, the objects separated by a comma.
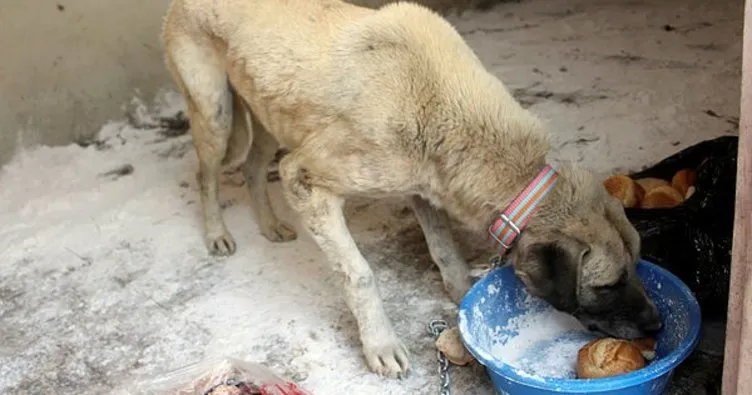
[{"x": 504, "y": 231}]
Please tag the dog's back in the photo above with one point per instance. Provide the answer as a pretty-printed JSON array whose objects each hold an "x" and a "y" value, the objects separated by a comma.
[
  {"x": 398, "y": 53},
  {"x": 310, "y": 59}
]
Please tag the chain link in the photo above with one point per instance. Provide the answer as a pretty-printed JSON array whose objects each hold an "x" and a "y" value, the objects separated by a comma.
[{"x": 435, "y": 328}]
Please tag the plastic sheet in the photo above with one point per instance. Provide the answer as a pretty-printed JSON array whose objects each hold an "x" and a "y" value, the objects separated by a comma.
[{"x": 227, "y": 376}]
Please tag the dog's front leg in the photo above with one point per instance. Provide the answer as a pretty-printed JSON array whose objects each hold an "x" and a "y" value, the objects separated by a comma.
[
  {"x": 321, "y": 213},
  {"x": 442, "y": 247}
]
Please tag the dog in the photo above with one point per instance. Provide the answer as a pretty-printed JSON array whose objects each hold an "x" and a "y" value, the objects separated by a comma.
[
  {"x": 384, "y": 103},
  {"x": 443, "y": 7}
]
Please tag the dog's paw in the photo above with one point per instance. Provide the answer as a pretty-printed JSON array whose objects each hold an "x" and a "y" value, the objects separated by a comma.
[
  {"x": 222, "y": 244},
  {"x": 457, "y": 289},
  {"x": 457, "y": 285},
  {"x": 279, "y": 232},
  {"x": 388, "y": 358}
]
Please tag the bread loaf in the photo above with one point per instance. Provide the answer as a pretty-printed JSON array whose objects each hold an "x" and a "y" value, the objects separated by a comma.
[
  {"x": 450, "y": 344},
  {"x": 625, "y": 189},
  {"x": 650, "y": 183},
  {"x": 664, "y": 196},
  {"x": 608, "y": 357},
  {"x": 683, "y": 180}
]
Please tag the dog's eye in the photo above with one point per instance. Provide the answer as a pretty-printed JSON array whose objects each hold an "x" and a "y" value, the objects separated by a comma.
[{"x": 585, "y": 254}]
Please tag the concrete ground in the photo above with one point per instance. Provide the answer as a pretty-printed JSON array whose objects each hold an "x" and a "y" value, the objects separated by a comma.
[{"x": 104, "y": 279}]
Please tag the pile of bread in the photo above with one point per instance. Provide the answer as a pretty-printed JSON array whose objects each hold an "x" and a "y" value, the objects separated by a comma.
[
  {"x": 652, "y": 192},
  {"x": 605, "y": 357}
]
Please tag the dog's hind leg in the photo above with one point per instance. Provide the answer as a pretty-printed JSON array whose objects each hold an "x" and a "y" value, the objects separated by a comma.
[
  {"x": 199, "y": 72},
  {"x": 255, "y": 170},
  {"x": 442, "y": 247}
]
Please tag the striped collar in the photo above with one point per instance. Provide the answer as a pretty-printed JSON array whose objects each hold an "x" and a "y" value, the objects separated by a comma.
[{"x": 504, "y": 231}]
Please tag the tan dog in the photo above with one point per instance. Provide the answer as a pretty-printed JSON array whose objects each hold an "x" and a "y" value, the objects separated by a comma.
[
  {"x": 441, "y": 6},
  {"x": 389, "y": 102}
]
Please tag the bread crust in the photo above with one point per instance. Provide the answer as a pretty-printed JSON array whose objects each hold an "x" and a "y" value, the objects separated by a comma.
[{"x": 608, "y": 357}]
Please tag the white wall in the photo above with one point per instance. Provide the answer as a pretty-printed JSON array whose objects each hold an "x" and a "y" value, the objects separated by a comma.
[
  {"x": 64, "y": 72},
  {"x": 67, "y": 66}
]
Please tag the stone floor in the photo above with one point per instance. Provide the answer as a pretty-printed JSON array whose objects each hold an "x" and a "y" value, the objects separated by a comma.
[{"x": 104, "y": 279}]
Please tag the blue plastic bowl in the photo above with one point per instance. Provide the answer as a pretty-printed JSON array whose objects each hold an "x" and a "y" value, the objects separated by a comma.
[{"x": 498, "y": 297}]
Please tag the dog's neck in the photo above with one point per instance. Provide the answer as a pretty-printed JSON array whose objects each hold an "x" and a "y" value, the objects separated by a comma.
[
  {"x": 483, "y": 160},
  {"x": 477, "y": 192},
  {"x": 478, "y": 211}
]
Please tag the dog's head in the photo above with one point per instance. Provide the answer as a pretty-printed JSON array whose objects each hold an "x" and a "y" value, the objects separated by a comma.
[{"x": 579, "y": 253}]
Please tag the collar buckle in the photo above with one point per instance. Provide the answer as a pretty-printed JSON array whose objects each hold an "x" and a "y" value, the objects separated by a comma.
[{"x": 505, "y": 222}]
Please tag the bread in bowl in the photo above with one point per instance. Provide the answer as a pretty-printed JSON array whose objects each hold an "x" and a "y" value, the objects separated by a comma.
[{"x": 608, "y": 357}]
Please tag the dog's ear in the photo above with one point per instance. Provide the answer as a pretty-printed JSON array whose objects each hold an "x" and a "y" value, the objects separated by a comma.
[
  {"x": 615, "y": 214},
  {"x": 550, "y": 272}
]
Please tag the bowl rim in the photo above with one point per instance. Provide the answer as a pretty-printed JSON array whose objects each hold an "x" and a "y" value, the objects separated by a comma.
[{"x": 647, "y": 374}]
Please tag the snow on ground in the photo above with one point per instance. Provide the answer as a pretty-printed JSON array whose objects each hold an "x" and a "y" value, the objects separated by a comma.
[{"x": 104, "y": 276}]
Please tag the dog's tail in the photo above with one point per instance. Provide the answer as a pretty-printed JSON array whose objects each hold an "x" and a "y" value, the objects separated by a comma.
[{"x": 241, "y": 136}]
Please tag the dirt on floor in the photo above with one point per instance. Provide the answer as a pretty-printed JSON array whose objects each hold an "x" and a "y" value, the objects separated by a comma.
[{"x": 105, "y": 279}]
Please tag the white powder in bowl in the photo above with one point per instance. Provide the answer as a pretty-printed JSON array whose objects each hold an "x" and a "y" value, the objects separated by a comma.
[{"x": 541, "y": 344}]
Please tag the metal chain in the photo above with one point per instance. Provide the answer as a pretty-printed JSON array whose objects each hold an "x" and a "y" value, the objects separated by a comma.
[{"x": 435, "y": 328}]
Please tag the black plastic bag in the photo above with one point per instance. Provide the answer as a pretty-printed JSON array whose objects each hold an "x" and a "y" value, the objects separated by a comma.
[{"x": 693, "y": 240}]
